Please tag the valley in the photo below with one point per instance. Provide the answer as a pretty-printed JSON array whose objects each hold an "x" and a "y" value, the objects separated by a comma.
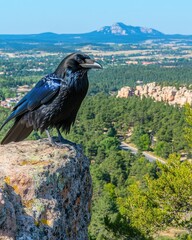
[{"x": 133, "y": 198}]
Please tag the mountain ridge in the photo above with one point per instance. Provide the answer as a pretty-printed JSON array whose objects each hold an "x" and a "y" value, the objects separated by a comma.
[{"x": 116, "y": 33}]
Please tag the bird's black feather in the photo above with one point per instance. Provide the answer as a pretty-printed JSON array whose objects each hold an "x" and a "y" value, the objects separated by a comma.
[
  {"x": 17, "y": 132},
  {"x": 54, "y": 101}
]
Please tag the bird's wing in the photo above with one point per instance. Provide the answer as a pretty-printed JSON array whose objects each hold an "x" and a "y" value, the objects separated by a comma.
[{"x": 42, "y": 93}]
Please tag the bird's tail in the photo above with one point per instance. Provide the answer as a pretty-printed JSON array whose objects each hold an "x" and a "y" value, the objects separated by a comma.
[{"x": 18, "y": 132}]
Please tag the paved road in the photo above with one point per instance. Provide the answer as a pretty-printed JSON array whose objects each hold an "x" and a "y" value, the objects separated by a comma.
[{"x": 134, "y": 150}]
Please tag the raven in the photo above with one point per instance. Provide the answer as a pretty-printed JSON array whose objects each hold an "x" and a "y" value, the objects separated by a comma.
[{"x": 54, "y": 101}]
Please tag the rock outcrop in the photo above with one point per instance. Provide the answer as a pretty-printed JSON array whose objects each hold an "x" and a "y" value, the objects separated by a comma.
[
  {"x": 168, "y": 94},
  {"x": 45, "y": 192}
]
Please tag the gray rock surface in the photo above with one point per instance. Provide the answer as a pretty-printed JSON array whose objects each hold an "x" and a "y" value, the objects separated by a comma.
[{"x": 45, "y": 192}]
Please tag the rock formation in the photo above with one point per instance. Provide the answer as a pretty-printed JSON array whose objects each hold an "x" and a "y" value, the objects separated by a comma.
[
  {"x": 125, "y": 92},
  {"x": 167, "y": 94},
  {"x": 45, "y": 192}
]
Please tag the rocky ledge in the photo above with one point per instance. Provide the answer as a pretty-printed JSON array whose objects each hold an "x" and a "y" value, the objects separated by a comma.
[{"x": 45, "y": 192}]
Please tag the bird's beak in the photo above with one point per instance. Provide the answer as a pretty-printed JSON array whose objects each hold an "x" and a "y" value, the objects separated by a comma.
[{"x": 89, "y": 63}]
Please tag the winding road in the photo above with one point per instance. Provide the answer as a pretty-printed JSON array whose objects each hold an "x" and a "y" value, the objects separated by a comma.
[{"x": 150, "y": 157}]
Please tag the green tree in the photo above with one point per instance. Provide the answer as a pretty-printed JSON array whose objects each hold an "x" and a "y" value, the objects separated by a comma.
[
  {"x": 162, "y": 149},
  {"x": 108, "y": 144},
  {"x": 141, "y": 139},
  {"x": 188, "y": 128},
  {"x": 164, "y": 202}
]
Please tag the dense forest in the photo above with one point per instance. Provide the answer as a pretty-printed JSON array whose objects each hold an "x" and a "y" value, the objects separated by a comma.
[
  {"x": 111, "y": 78},
  {"x": 103, "y": 116},
  {"x": 132, "y": 197},
  {"x": 121, "y": 208}
]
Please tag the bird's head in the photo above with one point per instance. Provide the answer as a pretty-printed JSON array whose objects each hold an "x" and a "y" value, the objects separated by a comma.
[{"x": 75, "y": 62}]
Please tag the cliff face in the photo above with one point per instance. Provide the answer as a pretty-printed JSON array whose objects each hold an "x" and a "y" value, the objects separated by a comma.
[
  {"x": 167, "y": 94},
  {"x": 45, "y": 192}
]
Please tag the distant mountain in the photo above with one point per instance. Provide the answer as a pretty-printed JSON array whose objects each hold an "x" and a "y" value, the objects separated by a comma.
[
  {"x": 117, "y": 33},
  {"x": 120, "y": 29}
]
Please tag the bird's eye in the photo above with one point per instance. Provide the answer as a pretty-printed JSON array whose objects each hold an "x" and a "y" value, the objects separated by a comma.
[{"x": 79, "y": 60}]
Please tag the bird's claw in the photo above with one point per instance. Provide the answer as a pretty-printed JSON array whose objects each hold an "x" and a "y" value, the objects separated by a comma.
[{"x": 57, "y": 142}]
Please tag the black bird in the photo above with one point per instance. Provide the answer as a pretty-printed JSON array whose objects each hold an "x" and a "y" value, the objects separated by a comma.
[{"x": 54, "y": 101}]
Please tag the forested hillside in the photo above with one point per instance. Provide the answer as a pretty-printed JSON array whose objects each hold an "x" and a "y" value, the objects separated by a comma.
[
  {"x": 121, "y": 208},
  {"x": 103, "y": 116},
  {"x": 111, "y": 78}
]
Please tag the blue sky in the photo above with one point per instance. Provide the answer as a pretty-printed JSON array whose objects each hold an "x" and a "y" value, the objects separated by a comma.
[{"x": 74, "y": 16}]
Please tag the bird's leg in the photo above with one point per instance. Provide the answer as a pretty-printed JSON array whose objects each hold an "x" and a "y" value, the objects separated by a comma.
[
  {"x": 62, "y": 139},
  {"x": 49, "y": 137},
  {"x": 52, "y": 140},
  {"x": 55, "y": 142}
]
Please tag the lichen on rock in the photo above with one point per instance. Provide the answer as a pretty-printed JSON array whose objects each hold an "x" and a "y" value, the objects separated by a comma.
[{"x": 45, "y": 192}]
